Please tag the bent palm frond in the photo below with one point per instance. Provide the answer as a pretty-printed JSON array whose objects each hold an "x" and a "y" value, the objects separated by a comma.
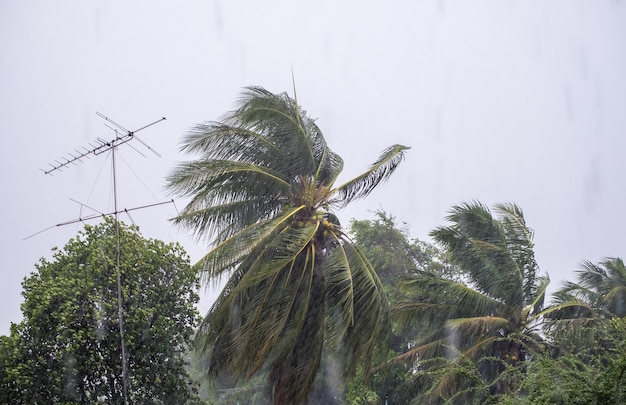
[{"x": 361, "y": 186}]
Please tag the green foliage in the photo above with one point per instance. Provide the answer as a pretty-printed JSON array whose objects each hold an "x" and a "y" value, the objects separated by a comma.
[
  {"x": 396, "y": 257},
  {"x": 392, "y": 252},
  {"x": 589, "y": 376},
  {"x": 67, "y": 348},
  {"x": 262, "y": 189},
  {"x": 581, "y": 311},
  {"x": 360, "y": 394}
]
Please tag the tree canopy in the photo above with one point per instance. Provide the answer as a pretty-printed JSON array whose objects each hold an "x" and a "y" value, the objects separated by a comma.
[{"x": 67, "y": 348}]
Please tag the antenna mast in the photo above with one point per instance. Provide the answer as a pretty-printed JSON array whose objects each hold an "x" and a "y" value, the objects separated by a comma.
[{"x": 100, "y": 147}]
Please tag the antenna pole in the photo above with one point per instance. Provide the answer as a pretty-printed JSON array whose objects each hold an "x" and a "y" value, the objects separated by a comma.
[
  {"x": 100, "y": 147},
  {"x": 120, "y": 307}
]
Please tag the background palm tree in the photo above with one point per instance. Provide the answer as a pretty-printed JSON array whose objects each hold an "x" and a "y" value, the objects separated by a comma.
[
  {"x": 601, "y": 286},
  {"x": 475, "y": 332},
  {"x": 263, "y": 188},
  {"x": 582, "y": 310}
]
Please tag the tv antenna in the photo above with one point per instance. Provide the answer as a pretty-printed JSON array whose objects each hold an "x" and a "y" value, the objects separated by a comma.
[{"x": 96, "y": 148}]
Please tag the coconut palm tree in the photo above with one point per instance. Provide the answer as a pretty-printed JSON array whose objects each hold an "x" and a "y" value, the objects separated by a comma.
[
  {"x": 582, "y": 309},
  {"x": 601, "y": 286},
  {"x": 263, "y": 189},
  {"x": 477, "y": 331}
]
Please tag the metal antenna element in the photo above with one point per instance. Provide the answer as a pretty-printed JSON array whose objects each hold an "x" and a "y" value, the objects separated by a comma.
[
  {"x": 100, "y": 146},
  {"x": 96, "y": 149},
  {"x": 99, "y": 215}
]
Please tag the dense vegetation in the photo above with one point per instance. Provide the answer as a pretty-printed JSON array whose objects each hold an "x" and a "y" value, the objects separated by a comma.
[
  {"x": 312, "y": 312},
  {"x": 461, "y": 336}
]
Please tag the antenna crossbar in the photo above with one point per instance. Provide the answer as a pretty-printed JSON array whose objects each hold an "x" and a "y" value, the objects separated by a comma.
[
  {"x": 100, "y": 215},
  {"x": 100, "y": 146}
]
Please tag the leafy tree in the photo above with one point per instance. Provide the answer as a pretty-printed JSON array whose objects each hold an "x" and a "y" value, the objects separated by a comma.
[
  {"x": 586, "y": 377},
  {"x": 476, "y": 334},
  {"x": 263, "y": 188},
  {"x": 394, "y": 255},
  {"x": 67, "y": 348}
]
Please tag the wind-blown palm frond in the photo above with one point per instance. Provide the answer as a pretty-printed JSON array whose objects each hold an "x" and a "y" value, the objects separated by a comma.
[
  {"x": 520, "y": 243},
  {"x": 535, "y": 308},
  {"x": 362, "y": 185},
  {"x": 259, "y": 191},
  {"x": 447, "y": 299},
  {"x": 478, "y": 243}
]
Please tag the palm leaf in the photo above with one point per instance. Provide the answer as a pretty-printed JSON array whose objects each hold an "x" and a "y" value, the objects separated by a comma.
[
  {"x": 477, "y": 326},
  {"x": 361, "y": 186},
  {"x": 439, "y": 299},
  {"x": 535, "y": 308},
  {"x": 477, "y": 243},
  {"x": 236, "y": 248}
]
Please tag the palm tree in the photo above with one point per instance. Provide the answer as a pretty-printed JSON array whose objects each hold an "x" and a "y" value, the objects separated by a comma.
[
  {"x": 580, "y": 308},
  {"x": 263, "y": 188},
  {"x": 478, "y": 331},
  {"x": 601, "y": 286}
]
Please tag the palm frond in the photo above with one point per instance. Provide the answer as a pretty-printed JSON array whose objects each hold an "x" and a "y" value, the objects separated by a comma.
[
  {"x": 615, "y": 300},
  {"x": 534, "y": 309},
  {"x": 602, "y": 286},
  {"x": 221, "y": 141},
  {"x": 477, "y": 326},
  {"x": 477, "y": 244},
  {"x": 520, "y": 244},
  {"x": 279, "y": 118},
  {"x": 261, "y": 294},
  {"x": 357, "y": 296},
  {"x": 431, "y": 350},
  {"x": 435, "y": 300},
  {"x": 227, "y": 196},
  {"x": 361, "y": 186},
  {"x": 230, "y": 252}
]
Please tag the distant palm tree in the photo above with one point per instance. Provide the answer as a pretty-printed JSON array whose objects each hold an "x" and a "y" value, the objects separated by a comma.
[
  {"x": 601, "y": 286},
  {"x": 579, "y": 308},
  {"x": 476, "y": 332},
  {"x": 263, "y": 188}
]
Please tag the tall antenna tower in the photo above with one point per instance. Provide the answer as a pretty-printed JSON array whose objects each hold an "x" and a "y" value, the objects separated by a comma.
[{"x": 98, "y": 147}]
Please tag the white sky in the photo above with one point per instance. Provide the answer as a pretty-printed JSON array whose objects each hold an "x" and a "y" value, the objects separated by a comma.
[{"x": 520, "y": 101}]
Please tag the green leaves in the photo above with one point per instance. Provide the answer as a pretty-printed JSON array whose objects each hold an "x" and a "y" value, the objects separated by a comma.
[{"x": 67, "y": 348}]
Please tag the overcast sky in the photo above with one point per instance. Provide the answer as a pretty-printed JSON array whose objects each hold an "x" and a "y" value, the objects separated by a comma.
[{"x": 517, "y": 101}]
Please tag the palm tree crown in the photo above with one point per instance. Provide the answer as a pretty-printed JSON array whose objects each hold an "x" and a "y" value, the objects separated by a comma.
[
  {"x": 579, "y": 308},
  {"x": 601, "y": 286},
  {"x": 263, "y": 188},
  {"x": 489, "y": 317}
]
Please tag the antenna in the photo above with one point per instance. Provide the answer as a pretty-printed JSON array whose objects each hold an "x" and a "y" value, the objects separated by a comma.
[
  {"x": 100, "y": 146},
  {"x": 96, "y": 148}
]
